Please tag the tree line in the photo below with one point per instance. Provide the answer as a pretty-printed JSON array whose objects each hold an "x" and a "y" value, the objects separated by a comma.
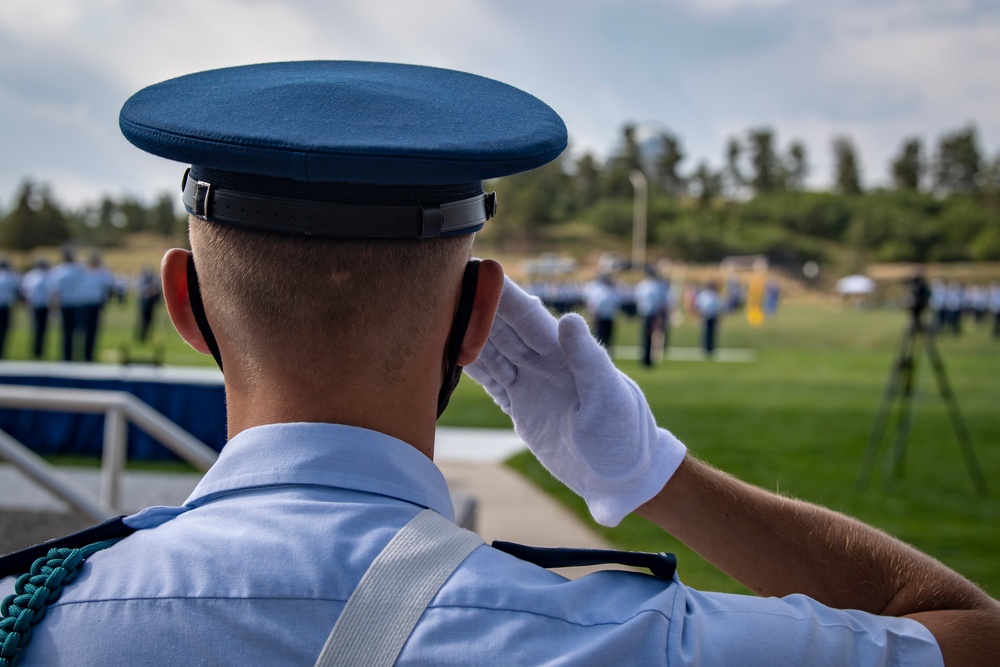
[
  {"x": 37, "y": 219},
  {"x": 943, "y": 204}
]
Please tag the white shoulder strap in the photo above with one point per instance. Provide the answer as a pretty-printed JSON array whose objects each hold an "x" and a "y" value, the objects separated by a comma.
[{"x": 394, "y": 592}]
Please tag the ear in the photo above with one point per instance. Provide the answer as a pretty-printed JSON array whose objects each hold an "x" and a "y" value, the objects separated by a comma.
[
  {"x": 173, "y": 272},
  {"x": 488, "y": 290}
]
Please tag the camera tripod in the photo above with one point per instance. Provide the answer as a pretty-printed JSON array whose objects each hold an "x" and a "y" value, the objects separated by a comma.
[{"x": 901, "y": 386}]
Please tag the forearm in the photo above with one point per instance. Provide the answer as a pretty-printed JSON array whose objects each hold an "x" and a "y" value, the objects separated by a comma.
[{"x": 776, "y": 546}]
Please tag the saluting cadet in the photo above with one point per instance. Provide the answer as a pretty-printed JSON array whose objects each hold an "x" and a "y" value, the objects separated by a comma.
[{"x": 333, "y": 206}]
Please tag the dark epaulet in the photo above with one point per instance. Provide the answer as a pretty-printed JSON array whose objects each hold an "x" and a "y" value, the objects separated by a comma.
[
  {"x": 662, "y": 565},
  {"x": 20, "y": 562}
]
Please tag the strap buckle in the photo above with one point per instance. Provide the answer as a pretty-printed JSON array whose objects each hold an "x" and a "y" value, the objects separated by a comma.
[
  {"x": 201, "y": 192},
  {"x": 196, "y": 195}
]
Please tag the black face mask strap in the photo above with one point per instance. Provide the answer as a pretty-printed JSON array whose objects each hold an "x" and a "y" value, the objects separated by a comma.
[
  {"x": 452, "y": 371},
  {"x": 198, "y": 310}
]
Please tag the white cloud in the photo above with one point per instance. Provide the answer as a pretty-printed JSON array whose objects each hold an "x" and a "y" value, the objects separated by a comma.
[
  {"x": 41, "y": 19},
  {"x": 148, "y": 42},
  {"x": 730, "y": 6}
]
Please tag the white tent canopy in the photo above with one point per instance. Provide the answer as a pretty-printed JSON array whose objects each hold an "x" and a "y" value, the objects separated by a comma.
[{"x": 856, "y": 284}]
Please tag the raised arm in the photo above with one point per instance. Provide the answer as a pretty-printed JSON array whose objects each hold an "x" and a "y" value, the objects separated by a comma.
[
  {"x": 590, "y": 426},
  {"x": 776, "y": 546}
]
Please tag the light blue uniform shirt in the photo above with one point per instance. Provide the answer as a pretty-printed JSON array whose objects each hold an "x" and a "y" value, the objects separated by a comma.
[
  {"x": 708, "y": 303},
  {"x": 650, "y": 297},
  {"x": 94, "y": 285},
  {"x": 257, "y": 565},
  {"x": 602, "y": 300},
  {"x": 10, "y": 282},
  {"x": 36, "y": 287},
  {"x": 65, "y": 280}
]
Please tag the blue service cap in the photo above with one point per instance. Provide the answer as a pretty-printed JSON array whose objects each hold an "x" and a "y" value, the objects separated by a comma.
[{"x": 343, "y": 149}]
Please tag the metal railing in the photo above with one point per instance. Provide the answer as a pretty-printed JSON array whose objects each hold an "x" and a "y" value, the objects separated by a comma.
[{"x": 119, "y": 408}]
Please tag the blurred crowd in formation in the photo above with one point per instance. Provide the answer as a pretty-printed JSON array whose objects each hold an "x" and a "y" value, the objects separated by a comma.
[
  {"x": 952, "y": 303},
  {"x": 69, "y": 297},
  {"x": 659, "y": 304}
]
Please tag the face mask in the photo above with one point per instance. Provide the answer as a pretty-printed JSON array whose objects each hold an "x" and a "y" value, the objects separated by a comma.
[
  {"x": 198, "y": 310},
  {"x": 452, "y": 371}
]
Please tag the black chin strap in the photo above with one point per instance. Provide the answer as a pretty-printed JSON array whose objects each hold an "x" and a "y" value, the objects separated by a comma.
[
  {"x": 452, "y": 371},
  {"x": 198, "y": 309}
]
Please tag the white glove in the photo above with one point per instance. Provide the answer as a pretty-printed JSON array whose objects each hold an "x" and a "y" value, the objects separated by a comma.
[{"x": 586, "y": 421}]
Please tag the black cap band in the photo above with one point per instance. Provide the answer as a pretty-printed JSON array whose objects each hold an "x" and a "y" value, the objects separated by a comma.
[{"x": 208, "y": 201}]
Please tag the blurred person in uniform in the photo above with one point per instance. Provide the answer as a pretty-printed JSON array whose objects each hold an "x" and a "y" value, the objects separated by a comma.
[
  {"x": 603, "y": 301},
  {"x": 96, "y": 285},
  {"x": 122, "y": 287},
  {"x": 149, "y": 293},
  {"x": 734, "y": 294},
  {"x": 325, "y": 534},
  {"x": 772, "y": 293},
  {"x": 652, "y": 305},
  {"x": 10, "y": 282},
  {"x": 939, "y": 313},
  {"x": 690, "y": 295},
  {"x": 954, "y": 302},
  {"x": 709, "y": 306},
  {"x": 37, "y": 292},
  {"x": 66, "y": 279},
  {"x": 978, "y": 300},
  {"x": 993, "y": 303}
]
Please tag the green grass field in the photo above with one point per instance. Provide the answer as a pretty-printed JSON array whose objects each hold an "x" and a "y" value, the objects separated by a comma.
[{"x": 795, "y": 419}]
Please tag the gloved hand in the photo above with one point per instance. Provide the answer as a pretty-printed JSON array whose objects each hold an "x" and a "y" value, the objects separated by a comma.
[{"x": 586, "y": 421}]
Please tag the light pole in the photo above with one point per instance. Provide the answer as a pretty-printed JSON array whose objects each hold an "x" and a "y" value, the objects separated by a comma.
[{"x": 640, "y": 207}]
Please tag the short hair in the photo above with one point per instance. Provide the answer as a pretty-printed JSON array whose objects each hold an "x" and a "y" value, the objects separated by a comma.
[{"x": 279, "y": 294}]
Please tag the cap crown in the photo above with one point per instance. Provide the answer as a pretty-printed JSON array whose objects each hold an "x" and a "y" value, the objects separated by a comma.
[{"x": 345, "y": 122}]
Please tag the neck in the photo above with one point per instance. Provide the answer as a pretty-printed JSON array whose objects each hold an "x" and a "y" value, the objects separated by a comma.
[{"x": 404, "y": 409}]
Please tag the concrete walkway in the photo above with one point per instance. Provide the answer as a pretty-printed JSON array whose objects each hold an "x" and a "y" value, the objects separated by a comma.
[{"x": 508, "y": 507}]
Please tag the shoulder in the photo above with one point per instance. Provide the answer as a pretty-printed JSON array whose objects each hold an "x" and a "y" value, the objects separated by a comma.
[
  {"x": 534, "y": 616},
  {"x": 498, "y": 580}
]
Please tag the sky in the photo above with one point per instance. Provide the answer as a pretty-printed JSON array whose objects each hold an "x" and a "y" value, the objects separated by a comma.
[{"x": 877, "y": 71}]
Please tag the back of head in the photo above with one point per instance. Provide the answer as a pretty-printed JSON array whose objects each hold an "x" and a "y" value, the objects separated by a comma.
[{"x": 286, "y": 299}]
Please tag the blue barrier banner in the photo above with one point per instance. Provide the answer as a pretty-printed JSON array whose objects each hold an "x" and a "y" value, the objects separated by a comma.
[{"x": 194, "y": 398}]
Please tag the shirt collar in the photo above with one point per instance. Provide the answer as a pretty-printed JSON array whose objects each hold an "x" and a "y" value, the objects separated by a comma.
[{"x": 331, "y": 455}]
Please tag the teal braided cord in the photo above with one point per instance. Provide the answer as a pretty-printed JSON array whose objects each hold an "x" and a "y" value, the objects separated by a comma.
[{"x": 33, "y": 592}]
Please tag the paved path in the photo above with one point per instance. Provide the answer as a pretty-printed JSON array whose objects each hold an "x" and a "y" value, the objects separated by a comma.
[{"x": 508, "y": 507}]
